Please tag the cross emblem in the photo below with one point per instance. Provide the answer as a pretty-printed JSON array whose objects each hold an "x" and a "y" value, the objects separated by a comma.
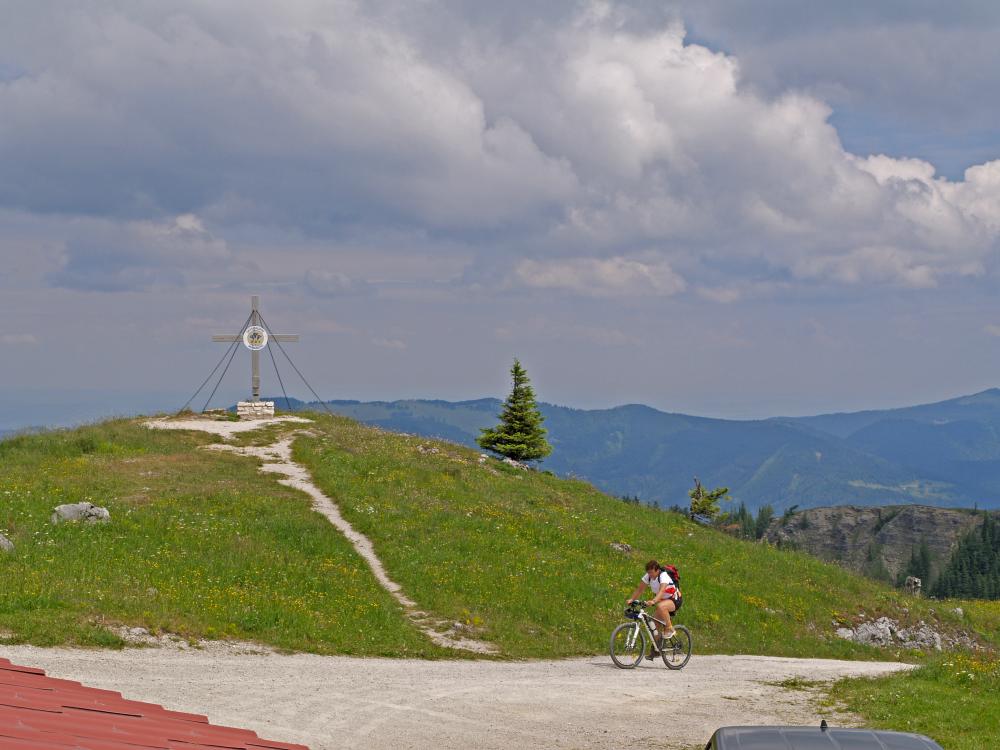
[{"x": 255, "y": 337}]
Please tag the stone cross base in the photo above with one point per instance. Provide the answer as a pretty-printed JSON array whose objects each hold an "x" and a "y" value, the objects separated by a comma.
[{"x": 255, "y": 409}]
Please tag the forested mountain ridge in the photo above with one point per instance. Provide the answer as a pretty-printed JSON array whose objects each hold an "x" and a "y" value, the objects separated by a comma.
[
  {"x": 974, "y": 567},
  {"x": 877, "y": 541},
  {"x": 945, "y": 454}
]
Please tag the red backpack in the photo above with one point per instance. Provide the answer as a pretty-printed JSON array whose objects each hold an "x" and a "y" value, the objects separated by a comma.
[{"x": 675, "y": 574}]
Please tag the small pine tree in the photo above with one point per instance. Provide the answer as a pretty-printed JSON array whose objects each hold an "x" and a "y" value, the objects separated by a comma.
[
  {"x": 705, "y": 503},
  {"x": 520, "y": 435}
]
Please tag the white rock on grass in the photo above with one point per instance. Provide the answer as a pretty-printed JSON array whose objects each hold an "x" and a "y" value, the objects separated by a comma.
[
  {"x": 6, "y": 545},
  {"x": 887, "y": 633},
  {"x": 515, "y": 464},
  {"x": 86, "y": 512}
]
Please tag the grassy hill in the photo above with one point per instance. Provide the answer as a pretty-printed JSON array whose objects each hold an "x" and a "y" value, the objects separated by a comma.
[
  {"x": 199, "y": 545},
  {"x": 945, "y": 454},
  {"x": 203, "y": 545}
]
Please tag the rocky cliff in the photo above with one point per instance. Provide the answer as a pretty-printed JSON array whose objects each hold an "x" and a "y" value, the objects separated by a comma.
[{"x": 874, "y": 540}]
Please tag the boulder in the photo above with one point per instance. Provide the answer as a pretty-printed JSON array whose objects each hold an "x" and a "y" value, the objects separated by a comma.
[
  {"x": 621, "y": 547},
  {"x": 86, "y": 512},
  {"x": 887, "y": 633},
  {"x": 913, "y": 585},
  {"x": 6, "y": 545},
  {"x": 880, "y": 632},
  {"x": 921, "y": 636}
]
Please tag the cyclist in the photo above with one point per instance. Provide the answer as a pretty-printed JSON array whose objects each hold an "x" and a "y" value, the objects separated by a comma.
[{"x": 666, "y": 598}]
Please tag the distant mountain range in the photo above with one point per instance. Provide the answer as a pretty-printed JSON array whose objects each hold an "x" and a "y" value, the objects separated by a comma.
[{"x": 944, "y": 454}]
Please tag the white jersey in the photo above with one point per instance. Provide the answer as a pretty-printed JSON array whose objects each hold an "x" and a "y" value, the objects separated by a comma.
[{"x": 662, "y": 580}]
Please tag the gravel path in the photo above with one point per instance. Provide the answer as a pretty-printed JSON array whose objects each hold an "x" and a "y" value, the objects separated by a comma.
[
  {"x": 277, "y": 459},
  {"x": 341, "y": 702}
]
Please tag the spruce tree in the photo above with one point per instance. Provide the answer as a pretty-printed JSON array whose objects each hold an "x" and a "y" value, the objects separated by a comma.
[
  {"x": 745, "y": 521},
  {"x": 520, "y": 435},
  {"x": 765, "y": 514}
]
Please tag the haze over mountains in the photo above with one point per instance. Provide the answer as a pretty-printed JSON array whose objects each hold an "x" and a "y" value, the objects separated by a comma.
[{"x": 945, "y": 454}]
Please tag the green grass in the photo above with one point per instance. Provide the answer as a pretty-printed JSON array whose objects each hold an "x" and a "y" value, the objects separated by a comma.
[
  {"x": 954, "y": 700},
  {"x": 203, "y": 545},
  {"x": 200, "y": 544},
  {"x": 527, "y": 558}
]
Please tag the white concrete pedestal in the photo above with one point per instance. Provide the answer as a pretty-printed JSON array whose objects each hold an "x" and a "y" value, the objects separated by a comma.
[{"x": 255, "y": 409}]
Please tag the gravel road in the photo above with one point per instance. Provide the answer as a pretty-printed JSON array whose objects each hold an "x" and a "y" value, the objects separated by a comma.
[{"x": 341, "y": 702}]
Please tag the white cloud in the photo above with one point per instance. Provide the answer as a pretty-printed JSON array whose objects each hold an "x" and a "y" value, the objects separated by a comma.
[
  {"x": 601, "y": 277},
  {"x": 585, "y": 136},
  {"x": 869, "y": 264}
]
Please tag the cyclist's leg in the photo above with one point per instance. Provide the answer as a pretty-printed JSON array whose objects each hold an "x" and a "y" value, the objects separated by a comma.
[{"x": 663, "y": 612}]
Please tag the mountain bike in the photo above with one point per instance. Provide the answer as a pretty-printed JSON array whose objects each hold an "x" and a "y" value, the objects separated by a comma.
[{"x": 630, "y": 640}]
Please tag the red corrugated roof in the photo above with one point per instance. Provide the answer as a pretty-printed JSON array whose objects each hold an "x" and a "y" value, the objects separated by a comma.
[{"x": 42, "y": 713}]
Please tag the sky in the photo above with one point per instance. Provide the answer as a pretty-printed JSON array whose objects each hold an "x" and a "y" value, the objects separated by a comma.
[{"x": 735, "y": 209}]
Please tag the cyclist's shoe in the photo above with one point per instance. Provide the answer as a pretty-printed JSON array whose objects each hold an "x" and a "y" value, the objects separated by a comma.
[
  {"x": 653, "y": 653},
  {"x": 669, "y": 635}
]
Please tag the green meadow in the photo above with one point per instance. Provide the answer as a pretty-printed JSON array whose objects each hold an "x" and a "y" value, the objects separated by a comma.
[
  {"x": 954, "y": 699},
  {"x": 204, "y": 546},
  {"x": 200, "y": 545}
]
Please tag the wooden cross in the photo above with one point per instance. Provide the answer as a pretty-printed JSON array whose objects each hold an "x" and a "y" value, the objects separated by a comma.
[{"x": 255, "y": 338}]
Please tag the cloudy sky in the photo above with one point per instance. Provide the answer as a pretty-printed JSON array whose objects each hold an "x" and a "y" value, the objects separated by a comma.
[{"x": 729, "y": 208}]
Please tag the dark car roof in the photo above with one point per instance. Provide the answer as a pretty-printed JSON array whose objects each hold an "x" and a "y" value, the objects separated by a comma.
[{"x": 814, "y": 738}]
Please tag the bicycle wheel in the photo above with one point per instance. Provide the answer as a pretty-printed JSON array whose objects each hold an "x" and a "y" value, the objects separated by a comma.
[
  {"x": 677, "y": 650},
  {"x": 628, "y": 645}
]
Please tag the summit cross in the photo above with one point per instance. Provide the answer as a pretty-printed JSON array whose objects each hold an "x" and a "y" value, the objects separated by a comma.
[{"x": 255, "y": 337}]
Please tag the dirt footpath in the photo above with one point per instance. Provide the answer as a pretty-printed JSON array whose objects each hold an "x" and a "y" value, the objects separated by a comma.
[{"x": 340, "y": 702}]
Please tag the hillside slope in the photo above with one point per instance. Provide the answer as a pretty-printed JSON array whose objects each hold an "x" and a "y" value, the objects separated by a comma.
[
  {"x": 203, "y": 545},
  {"x": 946, "y": 454},
  {"x": 527, "y": 556}
]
